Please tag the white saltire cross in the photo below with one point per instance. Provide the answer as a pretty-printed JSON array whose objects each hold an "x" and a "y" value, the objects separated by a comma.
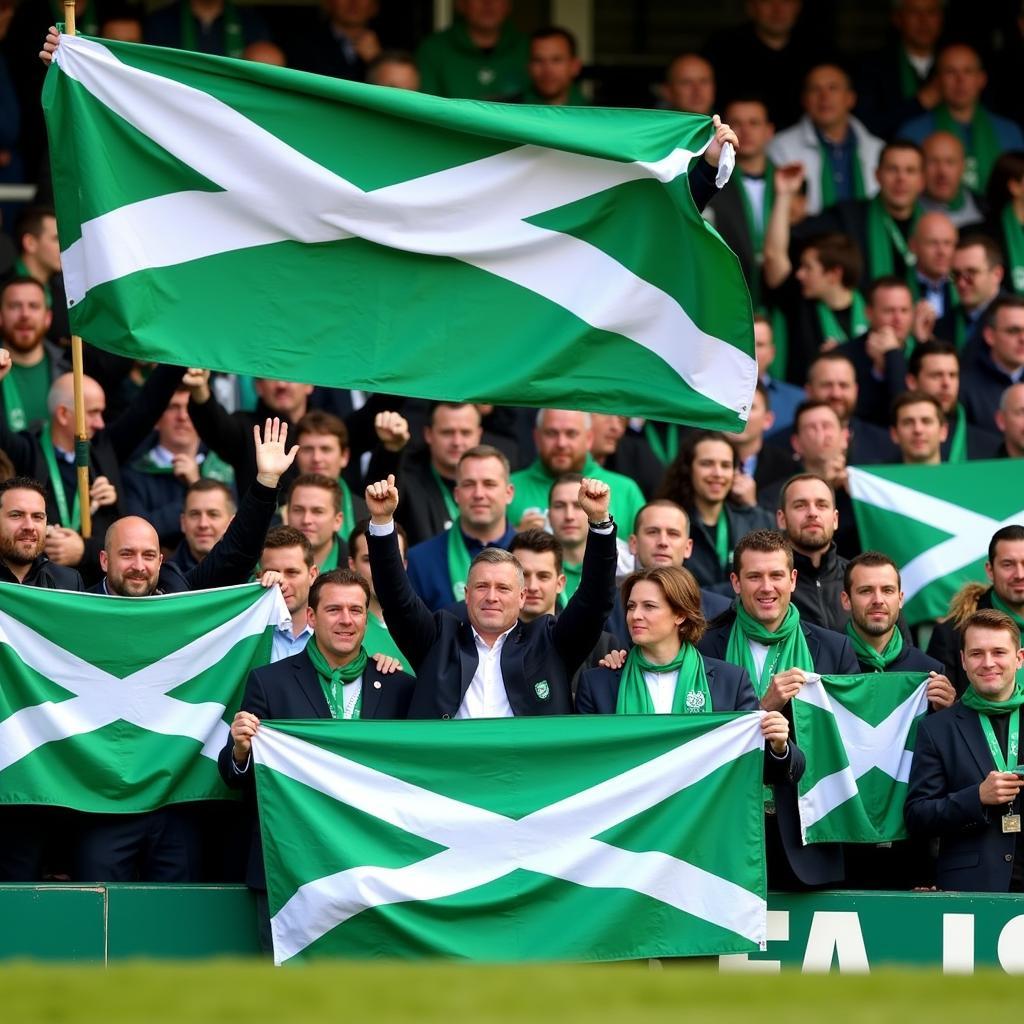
[
  {"x": 482, "y": 846},
  {"x": 970, "y": 530},
  {"x": 881, "y": 746},
  {"x": 475, "y": 213},
  {"x": 140, "y": 698}
]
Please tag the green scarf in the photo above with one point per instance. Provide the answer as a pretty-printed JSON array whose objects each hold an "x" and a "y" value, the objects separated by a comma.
[
  {"x": 722, "y": 539},
  {"x": 691, "y": 696},
  {"x": 665, "y": 451},
  {"x": 1014, "y": 235},
  {"x": 788, "y": 641},
  {"x": 780, "y": 335},
  {"x": 458, "y": 560},
  {"x": 883, "y": 236},
  {"x": 974, "y": 700},
  {"x": 828, "y": 181},
  {"x": 958, "y": 444},
  {"x": 876, "y": 661},
  {"x": 71, "y": 519},
  {"x": 234, "y": 38},
  {"x": 14, "y": 407},
  {"x": 331, "y": 561},
  {"x": 1000, "y": 605},
  {"x": 573, "y": 575},
  {"x": 829, "y": 322},
  {"x": 446, "y": 495},
  {"x": 330, "y": 678},
  {"x": 910, "y": 81},
  {"x": 981, "y": 144},
  {"x": 755, "y": 229},
  {"x": 348, "y": 515}
]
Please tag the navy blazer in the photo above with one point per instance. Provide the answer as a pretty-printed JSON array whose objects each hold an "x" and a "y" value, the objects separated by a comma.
[
  {"x": 538, "y": 659},
  {"x": 731, "y": 690},
  {"x": 820, "y": 863},
  {"x": 951, "y": 760},
  {"x": 290, "y": 689}
]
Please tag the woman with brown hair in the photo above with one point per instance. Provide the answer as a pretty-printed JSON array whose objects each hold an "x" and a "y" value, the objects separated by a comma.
[{"x": 664, "y": 673}]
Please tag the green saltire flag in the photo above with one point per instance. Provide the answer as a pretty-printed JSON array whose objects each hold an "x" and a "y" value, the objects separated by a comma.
[
  {"x": 119, "y": 705},
  {"x": 936, "y": 522},
  {"x": 590, "y": 838},
  {"x": 858, "y": 734},
  {"x": 260, "y": 220}
]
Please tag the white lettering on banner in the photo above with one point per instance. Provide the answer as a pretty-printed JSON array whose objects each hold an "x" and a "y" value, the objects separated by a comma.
[
  {"x": 1010, "y": 948},
  {"x": 957, "y": 943},
  {"x": 740, "y": 963},
  {"x": 835, "y": 934}
]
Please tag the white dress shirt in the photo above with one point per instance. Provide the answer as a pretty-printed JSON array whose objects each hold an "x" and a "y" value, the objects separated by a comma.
[{"x": 486, "y": 696}]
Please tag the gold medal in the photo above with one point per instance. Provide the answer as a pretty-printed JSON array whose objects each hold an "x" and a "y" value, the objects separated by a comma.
[{"x": 1011, "y": 823}]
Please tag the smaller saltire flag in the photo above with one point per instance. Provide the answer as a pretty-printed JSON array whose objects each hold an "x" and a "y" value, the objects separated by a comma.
[
  {"x": 280, "y": 224},
  {"x": 936, "y": 522},
  {"x": 591, "y": 838},
  {"x": 120, "y": 705},
  {"x": 857, "y": 733}
]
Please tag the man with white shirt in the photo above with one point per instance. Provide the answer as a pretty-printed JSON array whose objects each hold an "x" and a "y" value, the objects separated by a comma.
[
  {"x": 491, "y": 664},
  {"x": 288, "y": 552}
]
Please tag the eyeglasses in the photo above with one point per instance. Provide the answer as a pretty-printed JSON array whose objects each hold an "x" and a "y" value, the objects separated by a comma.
[{"x": 968, "y": 274}]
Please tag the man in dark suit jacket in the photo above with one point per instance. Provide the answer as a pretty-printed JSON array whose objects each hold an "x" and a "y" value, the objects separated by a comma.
[
  {"x": 764, "y": 580},
  {"x": 493, "y": 665},
  {"x": 293, "y": 688},
  {"x": 964, "y": 782}
]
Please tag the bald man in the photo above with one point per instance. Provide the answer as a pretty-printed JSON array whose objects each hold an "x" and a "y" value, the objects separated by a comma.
[
  {"x": 944, "y": 165},
  {"x": 46, "y": 452},
  {"x": 933, "y": 241},
  {"x": 133, "y": 565}
]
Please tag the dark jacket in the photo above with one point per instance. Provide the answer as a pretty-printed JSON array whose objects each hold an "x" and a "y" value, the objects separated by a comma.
[
  {"x": 982, "y": 384},
  {"x": 232, "y": 559},
  {"x": 874, "y": 396},
  {"x": 951, "y": 760},
  {"x": 818, "y": 589},
  {"x": 703, "y": 561},
  {"x": 442, "y": 650},
  {"x": 46, "y": 574},
  {"x": 731, "y": 690},
  {"x": 422, "y": 512},
  {"x": 109, "y": 449},
  {"x": 820, "y": 863},
  {"x": 290, "y": 689}
]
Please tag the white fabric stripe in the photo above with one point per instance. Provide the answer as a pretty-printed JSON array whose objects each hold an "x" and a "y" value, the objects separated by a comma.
[
  {"x": 480, "y": 840},
  {"x": 274, "y": 194},
  {"x": 140, "y": 698},
  {"x": 882, "y": 746},
  {"x": 971, "y": 530}
]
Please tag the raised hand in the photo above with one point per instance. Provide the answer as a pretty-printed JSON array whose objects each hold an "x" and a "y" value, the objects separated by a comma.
[
  {"x": 382, "y": 500},
  {"x": 595, "y": 497},
  {"x": 272, "y": 457}
]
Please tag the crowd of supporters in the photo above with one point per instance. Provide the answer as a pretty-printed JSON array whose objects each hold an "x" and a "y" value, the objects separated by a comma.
[{"x": 878, "y": 214}]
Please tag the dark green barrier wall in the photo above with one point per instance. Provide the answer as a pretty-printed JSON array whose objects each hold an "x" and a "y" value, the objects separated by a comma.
[{"x": 817, "y": 932}]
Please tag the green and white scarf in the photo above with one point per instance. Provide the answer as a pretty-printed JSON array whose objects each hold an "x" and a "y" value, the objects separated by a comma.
[
  {"x": 333, "y": 679},
  {"x": 876, "y": 661},
  {"x": 788, "y": 647},
  {"x": 981, "y": 143},
  {"x": 691, "y": 696}
]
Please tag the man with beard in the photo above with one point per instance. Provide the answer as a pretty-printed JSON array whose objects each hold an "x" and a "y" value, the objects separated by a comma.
[
  {"x": 37, "y": 362},
  {"x": 808, "y": 517}
]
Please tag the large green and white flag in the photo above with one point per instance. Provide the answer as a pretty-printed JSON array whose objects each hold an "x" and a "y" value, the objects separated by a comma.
[
  {"x": 246, "y": 218},
  {"x": 119, "y": 705},
  {"x": 857, "y": 733},
  {"x": 936, "y": 522},
  {"x": 590, "y": 838}
]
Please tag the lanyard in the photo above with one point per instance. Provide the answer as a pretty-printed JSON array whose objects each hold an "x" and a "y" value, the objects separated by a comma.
[
  {"x": 13, "y": 405},
  {"x": 74, "y": 520},
  {"x": 1003, "y": 764},
  {"x": 352, "y": 708}
]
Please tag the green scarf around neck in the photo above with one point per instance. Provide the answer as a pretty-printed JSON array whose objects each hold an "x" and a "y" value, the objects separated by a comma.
[
  {"x": 331, "y": 679},
  {"x": 974, "y": 700},
  {"x": 691, "y": 696},
  {"x": 828, "y": 181},
  {"x": 832, "y": 328},
  {"x": 788, "y": 643},
  {"x": 1000, "y": 605},
  {"x": 981, "y": 144},
  {"x": 884, "y": 235},
  {"x": 958, "y": 443},
  {"x": 458, "y": 560},
  {"x": 876, "y": 661}
]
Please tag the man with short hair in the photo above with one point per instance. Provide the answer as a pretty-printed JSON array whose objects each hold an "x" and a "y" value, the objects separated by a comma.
[
  {"x": 783, "y": 398},
  {"x": 563, "y": 438},
  {"x": 490, "y": 664},
  {"x": 568, "y": 524},
  {"x": 878, "y": 355},
  {"x": 23, "y": 539},
  {"x": 288, "y": 554},
  {"x": 39, "y": 258},
  {"x": 332, "y": 678},
  {"x": 36, "y": 361},
  {"x": 313, "y": 507},
  {"x": 838, "y": 153},
  {"x": 1005, "y": 592},
  {"x": 998, "y": 364},
  {"x": 323, "y": 448},
  {"x": 553, "y": 68},
  {"x": 394, "y": 68},
  {"x": 155, "y": 483},
  {"x": 378, "y": 636},
  {"x": 690, "y": 85},
  {"x": 961, "y": 79},
  {"x": 758, "y": 465},
  {"x": 945, "y": 164},
  {"x": 934, "y": 369},
  {"x": 965, "y": 778},
  {"x": 807, "y": 516},
  {"x": 1010, "y": 421},
  {"x": 438, "y": 567},
  {"x": 978, "y": 275},
  {"x": 206, "y": 514},
  {"x": 919, "y": 429},
  {"x": 480, "y": 56},
  {"x": 618, "y": 448},
  {"x": 539, "y": 554},
  {"x": 766, "y": 636},
  {"x": 933, "y": 242}
]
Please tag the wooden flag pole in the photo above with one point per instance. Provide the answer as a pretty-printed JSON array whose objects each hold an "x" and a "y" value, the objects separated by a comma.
[{"x": 81, "y": 438}]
